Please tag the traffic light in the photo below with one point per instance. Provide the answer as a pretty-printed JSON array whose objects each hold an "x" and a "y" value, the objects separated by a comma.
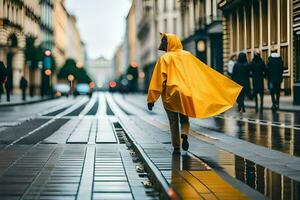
[{"x": 47, "y": 59}]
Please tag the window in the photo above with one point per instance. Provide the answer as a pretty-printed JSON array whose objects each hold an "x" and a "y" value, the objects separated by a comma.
[
  {"x": 284, "y": 56},
  {"x": 174, "y": 5},
  {"x": 234, "y": 31},
  {"x": 165, "y": 6},
  {"x": 241, "y": 29},
  {"x": 156, "y": 8},
  {"x": 174, "y": 25},
  {"x": 256, "y": 15},
  {"x": 166, "y": 25},
  {"x": 283, "y": 21},
  {"x": 264, "y": 9},
  {"x": 264, "y": 55},
  {"x": 248, "y": 24},
  {"x": 273, "y": 21}
]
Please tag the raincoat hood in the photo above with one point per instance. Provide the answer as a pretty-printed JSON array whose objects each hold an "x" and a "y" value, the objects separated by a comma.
[
  {"x": 174, "y": 43},
  {"x": 188, "y": 86}
]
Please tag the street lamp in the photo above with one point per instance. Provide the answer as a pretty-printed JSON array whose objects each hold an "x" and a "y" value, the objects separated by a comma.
[{"x": 71, "y": 79}]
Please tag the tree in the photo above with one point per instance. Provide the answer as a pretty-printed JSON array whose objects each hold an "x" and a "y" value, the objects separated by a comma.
[
  {"x": 33, "y": 55},
  {"x": 69, "y": 67}
]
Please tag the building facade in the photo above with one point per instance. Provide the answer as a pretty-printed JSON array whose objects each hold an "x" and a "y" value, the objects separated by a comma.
[
  {"x": 60, "y": 22},
  {"x": 131, "y": 31},
  {"x": 74, "y": 45},
  {"x": 102, "y": 71},
  {"x": 202, "y": 31},
  {"x": 18, "y": 19},
  {"x": 296, "y": 36},
  {"x": 47, "y": 26},
  {"x": 259, "y": 25}
]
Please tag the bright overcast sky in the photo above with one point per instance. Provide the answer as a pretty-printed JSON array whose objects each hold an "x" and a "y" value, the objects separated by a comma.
[{"x": 101, "y": 24}]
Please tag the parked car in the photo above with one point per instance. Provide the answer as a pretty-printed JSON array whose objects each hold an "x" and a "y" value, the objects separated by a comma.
[
  {"x": 61, "y": 89},
  {"x": 83, "y": 89}
]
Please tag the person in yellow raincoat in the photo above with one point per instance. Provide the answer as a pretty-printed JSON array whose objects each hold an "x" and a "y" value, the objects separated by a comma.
[{"x": 189, "y": 88}]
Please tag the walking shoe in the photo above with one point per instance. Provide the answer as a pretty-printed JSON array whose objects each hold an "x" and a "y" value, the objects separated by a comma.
[
  {"x": 176, "y": 151},
  {"x": 185, "y": 143}
]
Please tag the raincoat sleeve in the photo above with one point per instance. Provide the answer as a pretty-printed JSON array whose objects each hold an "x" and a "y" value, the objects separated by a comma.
[{"x": 158, "y": 81}]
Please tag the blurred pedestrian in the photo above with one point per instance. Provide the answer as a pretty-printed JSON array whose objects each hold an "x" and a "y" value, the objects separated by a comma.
[
  {"x": 241, "y": 74},
  {"x": 275, "y": 77},
  {"x": 3, "y": 77},
  {"x": 189, "y": 88},
  {"x": 258, "y": 72},
  {"x": 23, "y": 87},
  {"x": 231, "y": 64}
]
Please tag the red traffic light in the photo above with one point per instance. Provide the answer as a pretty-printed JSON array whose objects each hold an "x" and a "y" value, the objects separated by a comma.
[{"x": 112, "y": 84}]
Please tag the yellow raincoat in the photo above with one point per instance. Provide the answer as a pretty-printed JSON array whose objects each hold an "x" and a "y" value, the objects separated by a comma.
[{"x": 188, "y": 86}]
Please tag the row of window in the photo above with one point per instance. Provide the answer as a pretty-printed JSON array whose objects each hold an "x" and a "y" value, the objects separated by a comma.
[
  {"x": 165, "y": 5},
  {"x": 269, "y": 19},
  {"x": 263, "y": 25},
  {"x": 166, "y": 28}
]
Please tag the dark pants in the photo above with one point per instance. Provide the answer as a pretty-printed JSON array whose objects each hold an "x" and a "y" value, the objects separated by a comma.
[
  {"x": 275, "y": 99},
  {"x": 174, "y": 126},
  {"x": 240, "y": 101},
  {"x": 261, "y": 94},
  {"x": 275, "y": 94},
  {"x": 23, "y": 94}
]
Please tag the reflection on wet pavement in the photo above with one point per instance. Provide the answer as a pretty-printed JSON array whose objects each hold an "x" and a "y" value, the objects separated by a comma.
[
  {"x": 270, "y": 184},
  {"x": 286, "y": 140},
  {"x": 192, "y": 179}
]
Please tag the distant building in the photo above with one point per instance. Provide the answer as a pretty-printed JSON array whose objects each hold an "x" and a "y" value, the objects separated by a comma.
[
  {"x": 101, "y": 70},
  {"x": 60, "y": 21},
  {"x": 47, "y": 26},
  {"x": 131, "y": 39},
  {"x": 74, "y": 45}
]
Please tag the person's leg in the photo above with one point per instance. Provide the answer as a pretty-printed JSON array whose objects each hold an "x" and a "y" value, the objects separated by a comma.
[
  {"x": 174, "y": 127},
  {"x": 261, "y": 101},
  {"x": 23, "y": 95},
  {"x": 278, "y": 97},
  {"x": 273, "y": 99},
  {"x": 243, "y": 102},
  {"x": 256, "y": 100},
  {"x": 239, "y": 102},
  {"x": 185, "y": 124},
  {"x": 185, "y": 128}
]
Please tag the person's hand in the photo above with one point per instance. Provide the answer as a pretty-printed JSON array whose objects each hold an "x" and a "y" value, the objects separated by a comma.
[{"x": 150, "y": 106}]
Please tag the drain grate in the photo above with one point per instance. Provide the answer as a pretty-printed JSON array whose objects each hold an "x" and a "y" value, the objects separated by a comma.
[{"x": 120, "y": 133}]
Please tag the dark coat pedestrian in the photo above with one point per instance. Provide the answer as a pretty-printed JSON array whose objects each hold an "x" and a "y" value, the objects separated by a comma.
[
  {"x": 3, "y": 73},
  {"x": 258, "y": 71},
  {"x": 23, "y": 87},
  {"x": 3, "y": 77},
  {"x": 275, "y": 77},
  {"x": 241, "y": 75}
]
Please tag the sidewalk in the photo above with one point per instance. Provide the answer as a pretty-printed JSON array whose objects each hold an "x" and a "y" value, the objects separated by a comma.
[
  {"x": 286, "y": 103},
  {"x": 16, "y": 100}
]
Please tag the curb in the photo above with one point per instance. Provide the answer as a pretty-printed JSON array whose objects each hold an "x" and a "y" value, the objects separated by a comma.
[{"x": 28, "y": 102}]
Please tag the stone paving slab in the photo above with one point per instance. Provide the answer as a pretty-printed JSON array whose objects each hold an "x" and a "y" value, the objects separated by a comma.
[{"x": 105, "y": 132}]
